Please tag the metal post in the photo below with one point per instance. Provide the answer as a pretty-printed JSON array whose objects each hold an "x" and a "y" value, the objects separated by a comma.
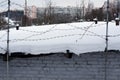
[
  {"x": 105, "y": 68},
  {"x": 8, "y": 27},
  {"x": 106, "y": 49},
  {"x": 107, "y": 25},
  {"x": 8, "y": 40}
]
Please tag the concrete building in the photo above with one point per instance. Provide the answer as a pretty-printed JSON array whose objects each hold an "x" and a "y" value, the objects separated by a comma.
[
  {"x": 60, "y": 10},
  {"x": 32, "y": 12},
  {"x": 15, "y": 15}
]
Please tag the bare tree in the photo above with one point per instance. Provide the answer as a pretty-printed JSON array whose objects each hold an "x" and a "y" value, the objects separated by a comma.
[
  {"x": 89, "y": 9},
  {"x": 90, "y": 6},
  {"x": 78, "y": 11},
  {"x": 83, "y": 8},
  {"x": 49, "y": 13},
  {"x": 114, "y": 9}
]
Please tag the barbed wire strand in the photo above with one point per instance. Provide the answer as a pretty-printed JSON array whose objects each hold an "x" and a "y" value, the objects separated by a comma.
[
  {"x": 36, "y": 34},
  {"x": 85, "y": 32},
  {"x": 17, "y": 4},
  {"x": 117, "y": 35},
  {"x": 3, "y": 2},
  {"x": 56, "y": 29},
  {"x": 2, "y": 36},
  {"x": 3, "y": 49},
  {"x": 49, "y": 31},
  {"x": 54, "y": 37},
  {"x": 94, "y": 34},
  {"x": 42, "y": 32},
  {"x": 30, "y": 31}
]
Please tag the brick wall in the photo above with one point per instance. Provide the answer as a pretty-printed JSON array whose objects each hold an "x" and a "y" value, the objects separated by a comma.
[{"x": 88, "y": 66}]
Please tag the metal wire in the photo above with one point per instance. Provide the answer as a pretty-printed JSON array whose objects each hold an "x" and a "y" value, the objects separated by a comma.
[
  {"x": 3, "y": 1},
  {"x": 87, "y": 31},
  {"x": 48, "y": 38},
  {"x": 2, "y": 36},
  {"x": 3, "y": 49},
  {"x": 49, "y": 30}
]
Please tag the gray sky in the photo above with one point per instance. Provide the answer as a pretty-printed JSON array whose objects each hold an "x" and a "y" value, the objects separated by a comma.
[{"x": 42, "y": 3}]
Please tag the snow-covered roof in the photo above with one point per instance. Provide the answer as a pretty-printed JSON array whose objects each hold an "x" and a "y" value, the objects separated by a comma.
[
  {"x": 78, "y": 37},
  {"x": 116, "y": 18},
  {"x": 11, "y": 22}
]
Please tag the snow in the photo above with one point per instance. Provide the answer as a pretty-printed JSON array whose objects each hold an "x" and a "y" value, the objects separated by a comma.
[
  {"x": 95, "y": 19},
  {"x": 116, "y": 18},
  {"x": 79, "y": 37},
  {"x": 11, "y": 22}
]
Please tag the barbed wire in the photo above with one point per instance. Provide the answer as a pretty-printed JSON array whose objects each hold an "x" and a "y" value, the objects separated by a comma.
[
  {"x": 30, "y": 31},
  {"x": 49, "y": 30},
  {"x": 54, "y": 37},
  {"x": 117, "y": 35},
  {"x": 63, "y": 29},
  {"x": 87, "y": 31},
  {"x": 46, "y": 32},
  {"x": 97, "y": 25},
  {"x": 3, "y": 49},
  {"x": 26, "y": 39},
  {"x": 59, "y": 29},
  {"x": 35, "y": 34},
  {"x": 21, "y": 6},
  {"x": 3, "y": 35},
  {"x": 3, "y": 2}
]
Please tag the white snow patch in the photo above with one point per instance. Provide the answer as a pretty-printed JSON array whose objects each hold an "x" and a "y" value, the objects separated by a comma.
[
  {"x": 11, "y": 22},
  {"x": 78, "y": 37}
]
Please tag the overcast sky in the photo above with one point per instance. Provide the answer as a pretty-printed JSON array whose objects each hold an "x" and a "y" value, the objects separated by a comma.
[
  {"x": 64, "y": 2},
  {"x": 42, "y": 3}
]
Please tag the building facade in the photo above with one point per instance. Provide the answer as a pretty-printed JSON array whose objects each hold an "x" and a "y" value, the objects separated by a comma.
[{"x": 32, "y": 12}]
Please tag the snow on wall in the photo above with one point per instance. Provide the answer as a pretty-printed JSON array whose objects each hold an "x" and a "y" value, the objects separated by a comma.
[{"x": 78, "y": 37}]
